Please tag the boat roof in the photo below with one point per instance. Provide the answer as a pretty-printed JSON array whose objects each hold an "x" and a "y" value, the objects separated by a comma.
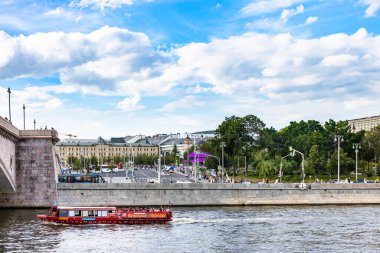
[{"x": 87, "y": 207}]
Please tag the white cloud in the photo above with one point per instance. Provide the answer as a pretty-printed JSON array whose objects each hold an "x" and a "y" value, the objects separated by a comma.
[
  {"x": 61, "y": 12},
  {"x": 109, "y": 58},
  {"x": 131, "y": 103},
  {"x": 311, "y": 20},
  {"x": 57, "y": 11},
  {"x": 197, "y": 89},
  {"x": 268, "y": 70},
  {"x": 257, "y": 8},
  {"x": 49, "y": 104},
  {"x": 288, "y": 13},
  {"x": 185, "y": 102},
  {"x": 373, "y": 7},
  {"x": 101, "y": 4},
  {"x": 338, "y": 60}
]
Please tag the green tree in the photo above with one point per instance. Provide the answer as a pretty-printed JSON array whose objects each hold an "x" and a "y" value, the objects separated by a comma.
[
  {"x": 211, "y": 163},
  {"x": 174, "y": 150},
  {"x": 346, "y": 163},
  {"x": 373, "y": 139},
  {"x": 94, "y": 161},
  {"x": 263, "y": 164},
  {"x": 71, "y": 160},
  {"x": 266, "y": 168},
  {"x": 239, "y": 134},
  {"x": 77, "y": 164},
  {"x": 117, "y": 159},
  {"x": 315, "y": 163}
]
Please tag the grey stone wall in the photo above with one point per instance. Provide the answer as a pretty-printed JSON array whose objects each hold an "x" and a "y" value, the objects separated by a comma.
[
  {"x": 7, "y": 164},
  {"x": 9, "y": 136},
  {"x": 36, "y": 174},
  {"x": 215, "y": 194}
]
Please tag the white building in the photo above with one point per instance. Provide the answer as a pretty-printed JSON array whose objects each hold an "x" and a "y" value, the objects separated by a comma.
[{"x": 365, "y": 124}]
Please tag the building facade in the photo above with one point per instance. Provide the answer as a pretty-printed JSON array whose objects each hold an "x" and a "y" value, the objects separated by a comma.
[
  {"x": 365, "y": 124},
  {"x": 102, "y": 149}
]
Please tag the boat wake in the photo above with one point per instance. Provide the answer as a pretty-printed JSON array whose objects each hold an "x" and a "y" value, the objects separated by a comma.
[
  {"x": 224, "y": 220},
  {"x": 192, "y": 221}
]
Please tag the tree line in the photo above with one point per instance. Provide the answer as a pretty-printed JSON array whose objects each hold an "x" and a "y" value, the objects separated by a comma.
[
  {"x": 247, "y": 140},
  {"x": 78, "y": 163}
]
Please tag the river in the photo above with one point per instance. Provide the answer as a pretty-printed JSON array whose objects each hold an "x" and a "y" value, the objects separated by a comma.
[{"x": 205, "y": 229}]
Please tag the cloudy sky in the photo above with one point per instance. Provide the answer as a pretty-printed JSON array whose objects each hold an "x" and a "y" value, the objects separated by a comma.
[{"x": 122, "y": 67}]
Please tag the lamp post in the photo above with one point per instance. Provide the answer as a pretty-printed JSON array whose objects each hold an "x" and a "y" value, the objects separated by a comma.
[
  {"x": 217, "y": 158},
  {"x": 125, "y": 159},
  {"x": 101, "y": 154},
  {"x": 23, "y": 108},
  {"x": 339, "y": 139},
  {"x": 280, "y": 174},
  {"x": 9, "y": 104},
  {"x": 293, "y": 151},
  {"x": 159, "y": 164},
  {"x": 222, "y": 145},
  {"x": 356, "y": 146},
  {"x": 195, "y": 163}
]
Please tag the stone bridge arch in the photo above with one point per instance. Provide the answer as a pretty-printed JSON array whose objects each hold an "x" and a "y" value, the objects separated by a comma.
[
  {"x": 9, "y": 136},
  {"x": 28, "y": 166}
]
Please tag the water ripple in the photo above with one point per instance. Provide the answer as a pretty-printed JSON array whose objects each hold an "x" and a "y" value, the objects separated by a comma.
[{"x": 209, "y": 229}]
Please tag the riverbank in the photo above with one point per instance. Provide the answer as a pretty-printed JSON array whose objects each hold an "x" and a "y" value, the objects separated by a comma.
[{"x": 144, "y": 194}]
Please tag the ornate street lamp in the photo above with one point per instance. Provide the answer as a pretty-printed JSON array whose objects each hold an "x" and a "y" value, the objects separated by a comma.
[
  {"x": 339, "y": 139},
  {"x": 23, "y": 108},
  {"x": 9, "y": 103},
  {"x": 293, "y": 151},
  {"x": 222, "y": 145},
  {"x": 356, "y": 146}
]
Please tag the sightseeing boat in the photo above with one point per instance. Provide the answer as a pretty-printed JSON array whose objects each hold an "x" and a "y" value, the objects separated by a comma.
[{"x": 106, "y": 215}]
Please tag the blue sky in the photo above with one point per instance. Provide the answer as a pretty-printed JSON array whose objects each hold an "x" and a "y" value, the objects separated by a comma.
[{"x": 123, "y": 67}]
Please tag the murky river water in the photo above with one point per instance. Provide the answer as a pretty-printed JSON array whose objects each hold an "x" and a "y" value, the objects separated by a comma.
[{"x": 211, "y": 229}]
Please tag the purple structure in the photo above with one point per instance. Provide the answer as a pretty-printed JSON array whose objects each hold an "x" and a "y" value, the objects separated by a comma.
[{"x": 197, "y": 157}]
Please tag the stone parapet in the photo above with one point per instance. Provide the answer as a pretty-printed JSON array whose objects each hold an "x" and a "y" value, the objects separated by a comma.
[
  {"x": 39, "y": 134},
  {"x": 8, "y": 130},
  {"x": 143, "y": 194}
]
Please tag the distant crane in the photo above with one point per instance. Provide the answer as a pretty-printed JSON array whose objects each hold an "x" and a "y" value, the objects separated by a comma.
[{"x": 69, "y": 135}]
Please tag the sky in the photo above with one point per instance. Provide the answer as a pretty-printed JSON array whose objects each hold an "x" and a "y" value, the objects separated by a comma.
[{"x": 114, "y": 68}]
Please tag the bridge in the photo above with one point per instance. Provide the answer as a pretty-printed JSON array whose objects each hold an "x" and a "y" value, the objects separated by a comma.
[
  {"x": 28, "y": 166},
  {"x": 9, "y": 137}
]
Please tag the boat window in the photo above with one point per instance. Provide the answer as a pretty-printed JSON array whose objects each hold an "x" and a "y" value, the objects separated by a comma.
[
  {"x": 96, "y": 213},
  {"x": 71, "y": 213},
  {"x": 63, "y": 213},
  {"x": 84, "y": 213},
  {"x": 78, "y": 212},
  {"x": 91, "y": 213},
  {"x": 104, "y": 213}
]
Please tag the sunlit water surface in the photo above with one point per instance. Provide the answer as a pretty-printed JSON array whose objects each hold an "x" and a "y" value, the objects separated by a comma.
[{"x": 208, "y": 229}]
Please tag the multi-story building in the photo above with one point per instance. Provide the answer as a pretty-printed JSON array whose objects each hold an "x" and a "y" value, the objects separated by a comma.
[
  {"x": 125, "y": 147},
  {"x": 365, "y": 124},
  {"x": 101, "y": 149}
]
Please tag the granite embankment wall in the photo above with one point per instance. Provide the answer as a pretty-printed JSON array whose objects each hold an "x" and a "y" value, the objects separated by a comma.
[
  {"x": 143, "y": 194},
  {"x": 36, "y": 171}
]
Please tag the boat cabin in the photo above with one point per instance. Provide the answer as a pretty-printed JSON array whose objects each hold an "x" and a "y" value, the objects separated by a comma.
[{"x": 84, "y": 211}]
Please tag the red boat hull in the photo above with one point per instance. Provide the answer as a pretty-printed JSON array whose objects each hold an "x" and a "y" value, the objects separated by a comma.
[{"x": 118, "y": 217}]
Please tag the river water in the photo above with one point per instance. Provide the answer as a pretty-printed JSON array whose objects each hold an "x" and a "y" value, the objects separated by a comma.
[{"x": 208, "y": 229}]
